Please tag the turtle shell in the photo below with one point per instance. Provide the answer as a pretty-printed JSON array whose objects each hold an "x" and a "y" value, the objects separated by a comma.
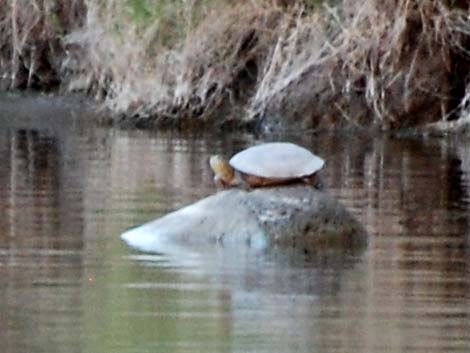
[{"x": 278, "y": 160}]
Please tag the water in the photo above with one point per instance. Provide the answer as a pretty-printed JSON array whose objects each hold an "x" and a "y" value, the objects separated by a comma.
[{"x": 68, "y": 284}]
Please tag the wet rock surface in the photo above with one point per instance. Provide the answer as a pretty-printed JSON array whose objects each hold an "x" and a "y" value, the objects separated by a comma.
[{"x": 297, "y": 217}]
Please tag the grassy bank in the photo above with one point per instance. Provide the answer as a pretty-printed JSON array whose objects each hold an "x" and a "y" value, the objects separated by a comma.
[
  {"x": 31, "y": 41},
  {"x": 389, "y": 64}
]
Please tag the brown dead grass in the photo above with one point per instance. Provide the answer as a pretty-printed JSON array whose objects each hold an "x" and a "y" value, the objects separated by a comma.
[
  {"x": 213, "y": 64},
  {"x": 393, "y": 56},
  {"x": 31, "y": 51},
  {"x": 232, "y": 61}
]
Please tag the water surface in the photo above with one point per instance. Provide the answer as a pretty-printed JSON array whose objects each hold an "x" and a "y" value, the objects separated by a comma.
[{"x": 68, "y": 283}]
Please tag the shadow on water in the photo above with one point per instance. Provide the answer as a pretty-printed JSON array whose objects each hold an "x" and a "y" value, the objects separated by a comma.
[{"x": 68, "y": 284}]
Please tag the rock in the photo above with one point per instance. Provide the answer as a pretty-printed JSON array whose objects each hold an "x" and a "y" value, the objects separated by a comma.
[{"x": 298, "y": 217}]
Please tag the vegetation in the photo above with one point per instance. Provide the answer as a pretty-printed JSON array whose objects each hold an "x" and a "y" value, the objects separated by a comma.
[
  {"x": 313, "y": 63},
  {"x": 31, "y": 47}
]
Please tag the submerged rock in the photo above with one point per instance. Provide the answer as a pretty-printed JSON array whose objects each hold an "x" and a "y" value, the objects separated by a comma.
[{"x": 299, "y": 217}]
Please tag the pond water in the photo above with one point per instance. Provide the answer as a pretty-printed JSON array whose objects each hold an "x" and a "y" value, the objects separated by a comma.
[{"x": 69, "y": 284}]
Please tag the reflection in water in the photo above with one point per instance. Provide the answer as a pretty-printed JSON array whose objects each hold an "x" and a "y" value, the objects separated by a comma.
[
  {"x": 40, "y": 235},
  {"x": 43, "y": 195},
  {"x": 68, "y": 284},
  {"x": 413, "y": 197}
]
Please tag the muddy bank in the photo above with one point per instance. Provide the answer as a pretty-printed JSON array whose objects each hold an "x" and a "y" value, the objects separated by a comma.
[{"x": 257, "y": 65}]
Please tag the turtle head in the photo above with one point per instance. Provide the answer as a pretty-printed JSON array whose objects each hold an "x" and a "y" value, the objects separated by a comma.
[{"x": 224, "y": 173}]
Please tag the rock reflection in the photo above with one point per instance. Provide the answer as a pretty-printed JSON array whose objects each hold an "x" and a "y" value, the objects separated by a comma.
[{"x": 270, "y": 302}]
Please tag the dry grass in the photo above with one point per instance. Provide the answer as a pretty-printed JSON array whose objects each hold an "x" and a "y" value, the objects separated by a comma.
[
  {"x": 142, "y": 71},
  {"x": 31, "y": 32},
  {"x": 393, "y": 55},
  {"x": 410, "y": 52},
  {"x": 191, "y": 61},
  {"x": 122, "y": 57}
]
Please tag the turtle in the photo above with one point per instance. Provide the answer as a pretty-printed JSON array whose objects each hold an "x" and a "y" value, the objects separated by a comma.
[{"x": 267, "y": 164}]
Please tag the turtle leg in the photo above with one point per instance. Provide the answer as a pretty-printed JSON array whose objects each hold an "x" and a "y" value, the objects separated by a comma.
[
  {"x": 245, "y": 186},
  {"x": 219, "y": 182},
  {"x": 222, "y": 183},
  {"x": 315, "y": 181},
  {"x": 244, "y": 181}
]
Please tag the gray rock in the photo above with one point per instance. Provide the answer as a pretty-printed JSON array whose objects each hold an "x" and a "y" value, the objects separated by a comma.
[{"x": 298, "y": 217}]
